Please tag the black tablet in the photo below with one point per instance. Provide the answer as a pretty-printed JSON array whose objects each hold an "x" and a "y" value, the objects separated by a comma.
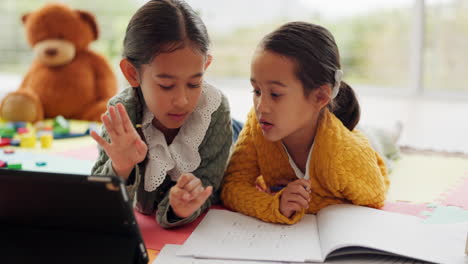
[{"x": 66, "y": 218}]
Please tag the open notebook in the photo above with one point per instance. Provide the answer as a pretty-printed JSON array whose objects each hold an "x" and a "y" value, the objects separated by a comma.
[
  {"x": 336, "y": 230},
  {"x": 168, "y": 256}
]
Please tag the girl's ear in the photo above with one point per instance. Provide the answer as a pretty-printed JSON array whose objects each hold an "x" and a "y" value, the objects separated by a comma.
[
  {"x": 130, "y": 72},
  {"x": 209, "y": 59},
  {"x": 321, "y": 96}
]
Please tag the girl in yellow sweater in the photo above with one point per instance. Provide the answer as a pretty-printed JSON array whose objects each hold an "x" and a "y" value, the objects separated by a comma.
[{"x": 299, "y": 140}]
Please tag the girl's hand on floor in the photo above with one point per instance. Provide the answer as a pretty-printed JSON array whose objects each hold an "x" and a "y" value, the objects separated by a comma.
[
  {"x": 295, "y": 196},
  {"x": 126, "y": 148},
  {"x": 188, "y": 195}
]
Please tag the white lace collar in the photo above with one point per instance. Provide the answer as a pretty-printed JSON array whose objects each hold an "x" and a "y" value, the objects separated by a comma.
[{"x": 182, "y": 154}]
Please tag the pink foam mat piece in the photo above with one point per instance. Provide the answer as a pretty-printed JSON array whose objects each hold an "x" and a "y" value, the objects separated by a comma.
[
  {"x": 156, "y": 237},
  {"x": 457, "y": 196},
  {"x": 85, "y": 153},
  {"x": 406, "y": 208}
]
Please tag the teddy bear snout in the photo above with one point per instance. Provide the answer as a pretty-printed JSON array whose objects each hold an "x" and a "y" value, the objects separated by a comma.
[
  {"x": 51, "y": 52},
  {"x": 54, "y": 52}
]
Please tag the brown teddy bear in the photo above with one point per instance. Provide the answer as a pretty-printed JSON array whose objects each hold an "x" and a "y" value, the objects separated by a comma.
[{"x": 65, "y": 78}]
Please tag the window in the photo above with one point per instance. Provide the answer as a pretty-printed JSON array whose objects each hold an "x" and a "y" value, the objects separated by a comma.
[
  {"x": 373, "y": 36},
  {"x": 446, "y": 46}
]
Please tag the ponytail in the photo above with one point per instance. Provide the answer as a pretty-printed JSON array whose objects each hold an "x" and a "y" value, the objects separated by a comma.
[{"x": 346, "y": 106}]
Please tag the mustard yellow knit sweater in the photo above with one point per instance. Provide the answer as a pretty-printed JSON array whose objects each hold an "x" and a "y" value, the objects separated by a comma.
[{"x": 343, "y": 169}]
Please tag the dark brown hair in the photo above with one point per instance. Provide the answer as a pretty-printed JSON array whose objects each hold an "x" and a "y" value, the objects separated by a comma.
[
  {"x": 315, "y": 53},
  {"x": 162, "y": 26}
]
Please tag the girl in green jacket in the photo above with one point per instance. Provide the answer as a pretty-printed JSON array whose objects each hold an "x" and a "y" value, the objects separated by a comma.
[{"x": 169, "y": 135}]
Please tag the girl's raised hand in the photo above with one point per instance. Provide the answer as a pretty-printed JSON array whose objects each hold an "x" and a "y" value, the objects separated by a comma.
[
  {"x": 296, "y": 195},
  {"x": 126, "y": 148},
  {"x": 188, "y": 195}
]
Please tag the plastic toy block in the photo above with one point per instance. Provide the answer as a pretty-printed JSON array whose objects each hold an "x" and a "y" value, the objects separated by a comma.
[
  {"x": 4, "y": 142},
  {"x": 61, "y": 125},
  {"x": 46, "y": 140},
  {"x": 8, "y": 132},
  {"x": 15, "y": 142},
  {"x": 41, "y": 163},
  {"x": 15, "y": 166},
  {"x": 61, "y": 130},
  {"x": 22, "y": 130},
  {"x": 8, "y": 151},
  {"x": 28, "y": 141},
  {"x": 60, "y": 121}
]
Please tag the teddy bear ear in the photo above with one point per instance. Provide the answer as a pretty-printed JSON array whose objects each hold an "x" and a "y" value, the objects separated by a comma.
[
  {"x": 24, "y": 18},
  {"x": 91, "y": 20}
]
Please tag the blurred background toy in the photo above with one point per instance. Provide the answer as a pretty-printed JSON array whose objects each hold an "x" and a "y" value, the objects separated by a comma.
[{"x": 65, "y": 78}]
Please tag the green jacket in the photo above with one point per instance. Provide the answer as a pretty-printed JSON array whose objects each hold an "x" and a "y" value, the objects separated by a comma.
[{"x": 214, "y": 152}]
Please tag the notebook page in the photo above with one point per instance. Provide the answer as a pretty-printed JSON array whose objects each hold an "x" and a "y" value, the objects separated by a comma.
[
  {"x": 352, "y": 225},
  {"x": 168, "y": 256},
  {"x": 228, "y": 235}
]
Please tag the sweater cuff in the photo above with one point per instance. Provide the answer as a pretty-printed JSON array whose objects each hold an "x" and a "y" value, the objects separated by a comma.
[
  {"x": 129, "y": 183},
  {"x": 169, "y": 219},
  {"x": 131, "y": 178},
  {"x": 280, "y": 218},
  {"x": 108, "y": 170}
]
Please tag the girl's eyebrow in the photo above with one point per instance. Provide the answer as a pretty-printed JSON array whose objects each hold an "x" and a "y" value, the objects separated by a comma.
[
  {"x": 274, "y": 82},
  {"x": 168, "y": 76},
  {"x": 277, "y": 83}
]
